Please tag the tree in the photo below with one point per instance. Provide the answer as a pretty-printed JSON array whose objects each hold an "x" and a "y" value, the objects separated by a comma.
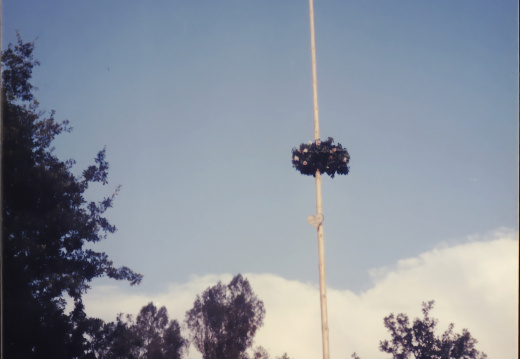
[
  {"x": 162, "y": 338},
  {"x": 261, "y": 353},
  {"x": 116, "y": 340},
  {"x": 150, "y": 336},
  {"x": 419, "y": 341},
  {"x": 224, "y": 319},
  {"x": 46, "y": 224}
]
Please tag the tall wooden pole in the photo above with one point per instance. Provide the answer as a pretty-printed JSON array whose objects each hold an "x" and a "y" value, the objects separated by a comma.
[
  {"x": 314, "y": 76},
  {"x": 319, "y": 209}
]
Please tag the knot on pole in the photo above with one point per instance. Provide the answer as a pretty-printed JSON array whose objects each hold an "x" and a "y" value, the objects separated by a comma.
[{"x": 316, "y": 220}]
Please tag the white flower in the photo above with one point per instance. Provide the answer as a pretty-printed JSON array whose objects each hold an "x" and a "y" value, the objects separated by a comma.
[
  {"x": 345, "y": 159},
  {"x": 305, "y": 150},
  {"x": 296, "y": 158},
  {"x": 305, "y": 163}
]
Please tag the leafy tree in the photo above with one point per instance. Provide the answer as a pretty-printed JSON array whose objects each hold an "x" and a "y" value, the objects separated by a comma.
[
  {"x": 150, "y": 336},
  {"x": 162, "y": 338},
  {"x": 261, "y": 353},
  {"x": 116, "y": 340},
  {"x": 46, "y": 224},
  {"x": 224, "y": 319},
  {"x": 419, "y": 341}
]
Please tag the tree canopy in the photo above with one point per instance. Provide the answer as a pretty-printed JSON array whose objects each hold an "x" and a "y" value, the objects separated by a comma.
[
  {"x": 161, "y": 337},
  {"x": 224, "y": 319},
  {"x": 151, "y": 336},
  {"x": 261, "y": 353},
  {"x": 46, "y": 224},
  {"x": 418, "y": 339}
]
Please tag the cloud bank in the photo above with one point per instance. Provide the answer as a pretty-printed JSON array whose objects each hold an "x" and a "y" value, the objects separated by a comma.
[{"x": 474, "y": 285}]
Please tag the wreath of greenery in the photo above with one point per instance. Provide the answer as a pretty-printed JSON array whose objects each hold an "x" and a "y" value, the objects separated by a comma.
[{"x": 322, "y": 156}]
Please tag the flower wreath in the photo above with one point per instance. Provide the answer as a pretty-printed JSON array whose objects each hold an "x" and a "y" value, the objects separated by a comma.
[{"x": 322, "y": 156}]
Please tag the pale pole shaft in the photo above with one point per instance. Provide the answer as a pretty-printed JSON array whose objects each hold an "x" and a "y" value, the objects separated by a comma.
[
  {"x": 321, "y": 265},
  {"x": 319, "y": 209},
  {"x": 314, "y": 76}
]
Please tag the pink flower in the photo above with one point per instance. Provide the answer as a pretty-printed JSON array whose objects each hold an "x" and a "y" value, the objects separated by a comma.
[
  {"x": 334, "y": 149},
  {"x": 305, "y": 163}
]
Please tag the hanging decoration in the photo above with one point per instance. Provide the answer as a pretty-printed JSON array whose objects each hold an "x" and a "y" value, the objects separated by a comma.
[{"x": 322, "y": 156}]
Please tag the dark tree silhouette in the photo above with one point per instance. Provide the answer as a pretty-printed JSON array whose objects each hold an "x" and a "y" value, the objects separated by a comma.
[
  {"x": 224, "y": 320},
  {"x": 46, "y": 224},
  {"x": 262, "y": 353},
  {"x": 151, "y": 336},
  {"x": 162, "y": 338},
  {"x": 116, "y": 340},
  {"x": 419, "y": 341}
]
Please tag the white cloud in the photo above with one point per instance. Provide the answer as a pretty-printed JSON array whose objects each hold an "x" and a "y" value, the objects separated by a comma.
[{"x": 474, "y": 284}]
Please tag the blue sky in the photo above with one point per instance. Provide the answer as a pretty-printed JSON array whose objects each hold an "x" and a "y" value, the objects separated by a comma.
[{"x": 200, "y": 102}]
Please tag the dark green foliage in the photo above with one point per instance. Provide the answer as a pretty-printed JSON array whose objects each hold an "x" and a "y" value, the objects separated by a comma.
[
  {"x": 419, "y": 341},
  {"x": 224, "y": 320},
  {"x": 46, "y": 224},
  {"x": 116, "y": 340},
  {"x": 322, "y": 156},
  {"x": 161, "y": 337},
  {"x": 173, "y": 343},
  {"x": 17, "y": 66},
  {"x": 261, "y": 353},
  {"x": 151, "y": 336}
]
